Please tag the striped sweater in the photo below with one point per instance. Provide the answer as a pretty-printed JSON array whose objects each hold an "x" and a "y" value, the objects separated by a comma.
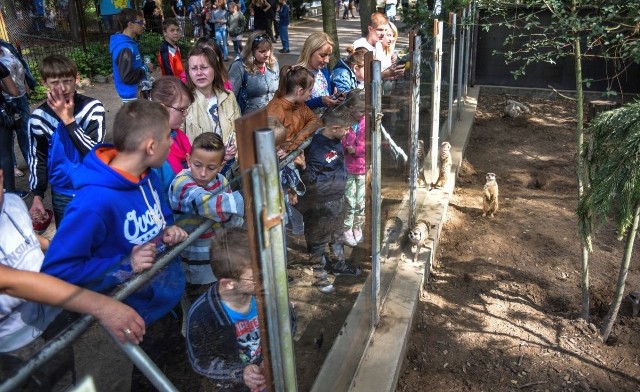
[{"x": 57, "y": 150}]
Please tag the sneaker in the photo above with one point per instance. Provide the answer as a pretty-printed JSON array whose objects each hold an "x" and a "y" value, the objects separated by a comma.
[
  {"x": 357, "y": 235},
  {"x": 344, "y": 268},
  {"x": 349, "y": 238},
  {"x": 324, "y": 285}
]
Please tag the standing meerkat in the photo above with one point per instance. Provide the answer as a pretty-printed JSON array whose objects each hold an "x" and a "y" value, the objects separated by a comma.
[
  {"x": 490, "y": 196},
  {"x": 444, "y": 163},
  {"x": 422, "y": 180}
]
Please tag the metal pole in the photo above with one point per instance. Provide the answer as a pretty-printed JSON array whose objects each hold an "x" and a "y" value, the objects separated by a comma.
[
  {"x": 376, "y": 180},
  {"x": 452, "y": 62},
  {"x": 467, "y": 49},
  {"x": 146, "y": 366},
  {"x": 77, "y": 328},
  {"x": 414, "y": 127},
  {"x": 435, "y": 96},
  {"x": 461, "y": 60},
  {"x": 274, "y": 263}
]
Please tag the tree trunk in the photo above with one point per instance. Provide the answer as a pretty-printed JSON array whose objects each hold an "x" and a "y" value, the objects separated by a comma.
[
  {"x": 367, "y": 7},
  {"x": 580, "y": 166},
  {"x": 329, "y": 27},
  {"x": 610, "y": 319}
]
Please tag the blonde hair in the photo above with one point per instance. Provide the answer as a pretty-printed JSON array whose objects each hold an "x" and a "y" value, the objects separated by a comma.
[
  {"x": 394, "y": 32},
  {"x": 260, "y": 39},
  {"x": 314, "y": 42}
]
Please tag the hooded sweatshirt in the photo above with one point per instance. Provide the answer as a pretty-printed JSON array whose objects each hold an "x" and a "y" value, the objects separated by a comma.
[
  {"x": 128, "y": 68},
  {"x": 325, "y": 175},
  {"x": 21, "y": 322},
  {"x": 108, "y": 217}
]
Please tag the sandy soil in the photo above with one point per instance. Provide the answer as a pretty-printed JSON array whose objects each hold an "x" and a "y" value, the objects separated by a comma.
[{"x": 501, "y": 309}]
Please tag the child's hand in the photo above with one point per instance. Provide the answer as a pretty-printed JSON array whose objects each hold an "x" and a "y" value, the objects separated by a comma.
[
  {"x": 300, "y": 161},
  {"x": 281, "y": 153},
  {"x": 253, "y": 378},
  {"x": 61, "y": 106},
  {"x": 173, "y": 235},
  {"x": 350, "y": 150},
  {"x": 292, "y": 196},
  {"x": 142, "y": 257},
  {"x": 230, "y": 151}
]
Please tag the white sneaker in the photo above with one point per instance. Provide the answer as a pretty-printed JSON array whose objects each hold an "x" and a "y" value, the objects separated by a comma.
[
  {"x": 349, "y": 239},
  {"x": 357, "y": 235}
]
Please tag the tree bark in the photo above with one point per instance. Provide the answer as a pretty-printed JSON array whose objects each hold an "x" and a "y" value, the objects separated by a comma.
[
  {"x": 329, "y": 27},
  {"x": 367, "y": 7},
  {"x": 612, "y": 315}
]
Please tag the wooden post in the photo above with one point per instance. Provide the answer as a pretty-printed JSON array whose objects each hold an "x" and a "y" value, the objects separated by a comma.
[{"x": 599, "y": 106}]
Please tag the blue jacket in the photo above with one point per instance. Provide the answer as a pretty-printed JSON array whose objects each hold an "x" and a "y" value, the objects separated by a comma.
[
  {"x": 128, "y": 68},
  {"x": 325, "y": 175},
  {"x": 317, "y": 101},
  {"x": 343, "y": 77},
  {"x": 108, "y": 217},
  {"x": 284, "y": 15}
]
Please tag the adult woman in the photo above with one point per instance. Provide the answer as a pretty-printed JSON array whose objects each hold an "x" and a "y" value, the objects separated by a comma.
[
  {"x": 220, "y": 17},
  {"x": 315, "y": 56},
  {"x": 215, "y": 109},
  {"x": 257, "y": 71},
  {"x": 211, "y": 44}
]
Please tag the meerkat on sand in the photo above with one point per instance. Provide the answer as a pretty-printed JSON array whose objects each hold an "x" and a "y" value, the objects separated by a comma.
[
  {"x": 490, "y": 196},
  {"x": 444, "y": 164},
  {"x": 392, "y": 230},
  {"x": 418, "y": 235}
]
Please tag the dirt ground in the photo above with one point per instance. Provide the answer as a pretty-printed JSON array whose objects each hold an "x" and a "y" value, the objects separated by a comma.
[{"x": 501, "y": 306}]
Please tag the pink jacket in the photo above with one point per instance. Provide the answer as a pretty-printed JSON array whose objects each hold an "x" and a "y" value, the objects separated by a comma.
[
  {"x": 355, "y": 163},
  {"x": 178, "y": 151}
]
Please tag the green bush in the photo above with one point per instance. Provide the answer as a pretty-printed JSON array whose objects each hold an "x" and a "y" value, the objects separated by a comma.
[{"x": 96, "y": 60}]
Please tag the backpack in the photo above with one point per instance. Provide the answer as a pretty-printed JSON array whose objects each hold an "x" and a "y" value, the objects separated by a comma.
[{"x": 241, "y": 98}]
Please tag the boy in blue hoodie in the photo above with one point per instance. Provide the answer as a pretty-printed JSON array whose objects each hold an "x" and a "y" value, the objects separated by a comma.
[
  {"x": 322, "y": 206},
  {"x": 128, "y": 68},
  {"x": 116, "y": 222}
]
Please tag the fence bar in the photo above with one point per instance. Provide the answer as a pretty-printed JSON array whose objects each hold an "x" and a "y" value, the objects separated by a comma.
[
  {"x": 274, "y": 265},
  {"x": 461, "y": 47},
  {"x": 293, "y": 154},
  {"x": 146, "y": 366},
  {"x": 452, "y": 62},
  {"x": 467, "y": 49},
  {"x": 414, "y": 124},
  {"x": 435, "y": 96},
  {"x": 376, "y": 182},
  {"x": 78, "y": 327}
]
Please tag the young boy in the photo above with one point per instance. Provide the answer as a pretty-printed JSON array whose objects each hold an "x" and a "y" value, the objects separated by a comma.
[
  {"x": 116, "y": 223},
  {"x": 128, "y": 68},
  {"x": 322, "y": 205},
  {"x": 283, "y": 12},
  {"x": 223, "y": 335},
  {"x": 201, "y": 190},
  {"x": 22, "y": 323},
  {"x": 63, "y": 130},
  {"x": 169, "y": 57},
  {"x": 236, "y": 28}
]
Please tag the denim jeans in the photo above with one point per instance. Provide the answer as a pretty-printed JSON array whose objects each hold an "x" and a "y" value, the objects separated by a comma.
[
  {"x": 237, "y": 47},
  {"x": 221, "y": 39},
  {"x": 21, "y": 106},
  {"x": 59, "y": 202},
  {"x": 284, "y": 36}
]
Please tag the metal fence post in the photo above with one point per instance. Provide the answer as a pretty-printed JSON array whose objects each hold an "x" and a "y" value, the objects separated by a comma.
[
  {"x": 376, "y": 185},
  {"x": 274, "y": 264},
  {"x": 414, "y": 124},
  {"x": 467, "y": 49},
  {"x": 461, "y": 46},
  {"x": 452, "y": 62},
  {"x": 435, "y": 96}
]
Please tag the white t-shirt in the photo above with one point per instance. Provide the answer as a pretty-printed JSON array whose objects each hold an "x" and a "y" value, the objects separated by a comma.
[
  {"x": 378, "y": 51},
  {"x": 14, "y": 66}
]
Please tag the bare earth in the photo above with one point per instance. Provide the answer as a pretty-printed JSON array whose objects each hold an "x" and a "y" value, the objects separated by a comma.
[{"x": 501, "y": 309}]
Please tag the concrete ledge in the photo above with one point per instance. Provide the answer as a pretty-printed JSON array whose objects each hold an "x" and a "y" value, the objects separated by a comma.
[{"x": 381, "y": 362}]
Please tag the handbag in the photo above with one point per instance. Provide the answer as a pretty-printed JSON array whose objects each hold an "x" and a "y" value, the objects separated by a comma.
[
  {"x": 7, "y": 117},
  {"x": 242, "y": 93}
]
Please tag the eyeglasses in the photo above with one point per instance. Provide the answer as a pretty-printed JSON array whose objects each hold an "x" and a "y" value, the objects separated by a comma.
[
  {"x": 182, "y": 111},
  {"x": 140, "y": 22},
  {"x": 260, "y": 38}
]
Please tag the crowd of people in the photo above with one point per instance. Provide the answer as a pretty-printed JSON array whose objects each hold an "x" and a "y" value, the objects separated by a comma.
[{"x": 117, "y": 206}]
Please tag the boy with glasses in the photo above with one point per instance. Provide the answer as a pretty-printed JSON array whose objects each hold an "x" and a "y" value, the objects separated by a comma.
[{"x": 128, "y": 68}]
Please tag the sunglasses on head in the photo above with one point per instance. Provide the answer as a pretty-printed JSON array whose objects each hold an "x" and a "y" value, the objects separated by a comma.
[
  {"x": 260, "y": 38},
  {"x": 140, "y": 22}
]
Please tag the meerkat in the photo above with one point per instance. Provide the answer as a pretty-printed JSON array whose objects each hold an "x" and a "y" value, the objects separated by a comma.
[
  {"x": 392, "y": 229},
  {"x": 633, "y": 298},
  {"x": 444, "y": 163},
  {"x": 490, "y": 196},
  {"x": 422, "y": 180},
  {"x": 418, "y": 235}
]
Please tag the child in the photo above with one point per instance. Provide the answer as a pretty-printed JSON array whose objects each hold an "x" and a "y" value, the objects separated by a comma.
[
  {"x": 323, "y": 204},
  {"x": 354, "y": 149},
  {"x": 236, "y": 28},
  {"x": 63, "y": 130},
  {"x": 202, "y": 190},
  {"x": 169, "y": 57},
  {"x": 223, "y": 335},
  {"x": 116, "y": 223},
  {"x": 349, "y": 73},
  {"x": 22, "y": 323},
  {"x": 128, "y": 68},
  {"x": 283, "y": 12}
]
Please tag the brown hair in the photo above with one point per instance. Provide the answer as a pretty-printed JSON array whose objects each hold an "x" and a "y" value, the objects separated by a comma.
[
  {"x": 212, "y": 59},
  {"x": 137, "y": 120},
  {"x": 205, "y": 42},
  {"x": 129, "y": 15},
  {"x": 378, "y": 19},
  {"x": 169, "y": 22},
  {"x": 229, "y": 254},
  {"x": 355, "y": 57},
  {"x": 255, "y": 41},
  {"x": 208, "y": 141},
  {"x": 168, "y": 90},
  {"x": 292, "y": 77},
  {"x": 57, "y": 66}
]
